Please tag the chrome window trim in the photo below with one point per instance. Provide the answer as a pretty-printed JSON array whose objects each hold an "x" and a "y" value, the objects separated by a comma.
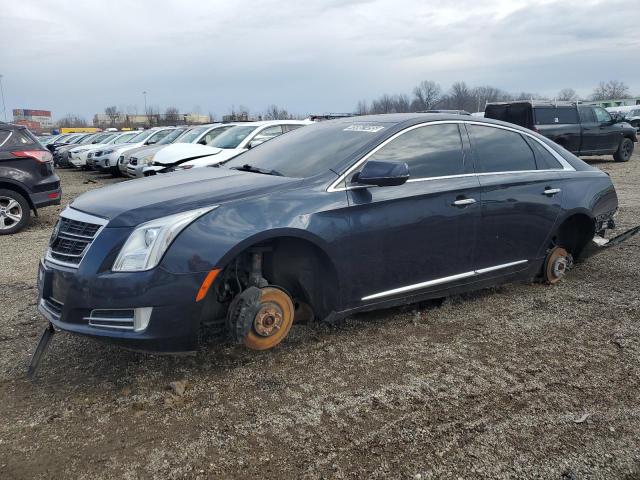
[
  {"x": 439, "y": 281},
  {"x": 566, "y": 166},
  {"x": 72, "y": 214},
  {"x": 7, "y": 139}
]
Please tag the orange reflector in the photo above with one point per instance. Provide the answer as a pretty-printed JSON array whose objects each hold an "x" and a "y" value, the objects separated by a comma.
[{"x": 204, "y": 288}]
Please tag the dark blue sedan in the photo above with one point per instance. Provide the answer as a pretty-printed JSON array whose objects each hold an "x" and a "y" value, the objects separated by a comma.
[{"x": 334, "y": 218}]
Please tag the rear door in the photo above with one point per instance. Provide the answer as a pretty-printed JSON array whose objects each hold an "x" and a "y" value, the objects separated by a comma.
[
  {"x": 419, "y": 235},
  {"x": 520, "y": 202}
]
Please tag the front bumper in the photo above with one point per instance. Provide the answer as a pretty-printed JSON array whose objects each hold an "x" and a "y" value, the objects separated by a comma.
[{"x": 174, "y": 323}]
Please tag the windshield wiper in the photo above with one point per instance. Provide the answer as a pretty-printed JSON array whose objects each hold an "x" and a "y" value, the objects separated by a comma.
[{"x": 250, "y": 168}]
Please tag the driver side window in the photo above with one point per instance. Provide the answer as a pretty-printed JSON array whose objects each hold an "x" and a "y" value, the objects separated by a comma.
[
  {"x": 429, "y": 151},
  {"x": 602, "y": 115},
  {"x": 268, "y": 133}
]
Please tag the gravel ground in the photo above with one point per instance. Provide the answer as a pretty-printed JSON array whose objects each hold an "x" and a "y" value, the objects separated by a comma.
[{"x": 521, "y": 381}]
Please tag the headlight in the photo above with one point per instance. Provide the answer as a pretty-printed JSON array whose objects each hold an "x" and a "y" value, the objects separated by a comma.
[
  {"x": 184, "y": 167},
  {"x": 146, "y": 245},
  {"x": 107, "y": 152},
  {"x": 148, "y": 160}
]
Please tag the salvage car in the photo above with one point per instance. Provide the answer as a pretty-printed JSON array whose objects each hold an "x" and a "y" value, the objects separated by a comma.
[
  {"x": 335, "y": 218},
  {"x": 581, "y": 129},
  {"x": 107, "y": 159},
  {"x": 228, "y": 144},
  {"x": 98, "y": 150},
  {"x": 184, "y": 148},
  {"x": 27, "y": 179}
]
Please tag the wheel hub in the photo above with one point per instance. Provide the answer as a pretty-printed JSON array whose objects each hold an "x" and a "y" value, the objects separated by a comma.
[
  {"x": 268, "y": 320},
  {"x": 559, "y": 267}
]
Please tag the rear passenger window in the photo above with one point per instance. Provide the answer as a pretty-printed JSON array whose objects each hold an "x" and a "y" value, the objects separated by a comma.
[
  {"x": 430, "y": 151},
  {"x": 499, "y": 150},
  {"x": 552, "y": 115},
  {"x": 544, "y": 159},
  {"x": 17, "y": 139}
]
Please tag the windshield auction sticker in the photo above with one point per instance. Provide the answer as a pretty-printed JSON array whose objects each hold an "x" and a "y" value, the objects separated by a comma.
[{"x": 361, "y": 127}]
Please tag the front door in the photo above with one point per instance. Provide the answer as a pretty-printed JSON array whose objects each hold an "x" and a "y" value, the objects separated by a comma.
[
  {"x": 420, "y": 235},
  {"x": 521, "y": 198}
]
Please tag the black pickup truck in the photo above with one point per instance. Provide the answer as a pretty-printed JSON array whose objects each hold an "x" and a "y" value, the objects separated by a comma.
[{"x": 581, "y": 129}]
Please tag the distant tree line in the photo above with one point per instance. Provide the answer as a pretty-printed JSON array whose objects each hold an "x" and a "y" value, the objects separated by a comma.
[{"x": 429, "y": 95}]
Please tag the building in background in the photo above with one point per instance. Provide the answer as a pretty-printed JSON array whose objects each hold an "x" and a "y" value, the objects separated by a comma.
[
  {"x": 35, "y": 120},
  {"x": 618, "y": 102}
]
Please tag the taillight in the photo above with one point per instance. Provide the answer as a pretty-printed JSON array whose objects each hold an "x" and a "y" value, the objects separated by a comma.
[{"x": 38, "y": 155}]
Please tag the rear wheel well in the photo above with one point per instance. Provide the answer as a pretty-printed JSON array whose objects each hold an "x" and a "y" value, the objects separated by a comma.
[
  {"x": 299, "y": 266},
  {"x": 22, "y": 191},
  {"x": 574, "y": 234}
]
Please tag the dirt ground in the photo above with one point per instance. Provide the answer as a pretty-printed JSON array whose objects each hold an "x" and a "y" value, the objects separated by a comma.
[{"x": 521, "y": 381}]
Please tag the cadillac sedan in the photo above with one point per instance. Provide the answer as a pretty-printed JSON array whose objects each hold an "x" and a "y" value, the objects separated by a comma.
[{"x": 335, "y": 218}]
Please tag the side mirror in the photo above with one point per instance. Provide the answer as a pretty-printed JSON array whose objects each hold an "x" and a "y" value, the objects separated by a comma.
[
  {"x": 255, "y": 142},
  {"x": 202, "y": 142},
  {"x": 151, "y": 142},
  {"x": 616, "y": 118},
  {"x": 382, "y": 174}
]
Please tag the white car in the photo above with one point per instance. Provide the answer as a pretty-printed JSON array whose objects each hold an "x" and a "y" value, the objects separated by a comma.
[
  {"x": 139, "y": 159},
  {"x": 78, "y": 155},
  {"x": 227, "y": 145},
  {"x": 119, "y": 139},
  {"x": 107, "y": 158}
]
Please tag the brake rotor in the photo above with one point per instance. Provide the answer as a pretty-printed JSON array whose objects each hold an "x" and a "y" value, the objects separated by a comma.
[
  {"x": 557, "y": 264},
  {"x": 272, "y": 320}
]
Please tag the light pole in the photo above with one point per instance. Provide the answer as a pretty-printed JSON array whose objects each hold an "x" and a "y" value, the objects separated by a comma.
[
  {"x": 145, "y": 105},
  {"x": 4, "y": 108}
]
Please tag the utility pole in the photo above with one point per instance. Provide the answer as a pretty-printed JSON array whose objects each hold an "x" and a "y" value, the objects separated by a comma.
[
  {"x": 145, "y": 105},
  {"x": 4, "y": 107}
]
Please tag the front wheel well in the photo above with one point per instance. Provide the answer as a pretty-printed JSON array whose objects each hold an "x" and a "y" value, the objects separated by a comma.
[
  {"x": 574, "y": 233},
  {"x": 297, "y": 265}
]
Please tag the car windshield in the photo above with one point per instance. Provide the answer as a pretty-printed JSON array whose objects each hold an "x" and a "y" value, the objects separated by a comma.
[
  {"x": 233, "y": 137},
  {"x": 141, "y": 137},
  {"x": 124, "y": 138},
  {"x": 308, "y": 151},
  {"x": 171, "y": 136},
  {"x": 192, "y": 135},
  {"x": 633, "y": 113}
]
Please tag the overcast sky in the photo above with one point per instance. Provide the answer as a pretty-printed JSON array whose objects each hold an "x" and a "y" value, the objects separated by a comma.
[{"x": 308, "y": 56}]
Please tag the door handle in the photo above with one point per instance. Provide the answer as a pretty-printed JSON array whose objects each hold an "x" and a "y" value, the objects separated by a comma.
[
  {"x": 550, "y": 192},
  {"x": 463, "y": 202}
]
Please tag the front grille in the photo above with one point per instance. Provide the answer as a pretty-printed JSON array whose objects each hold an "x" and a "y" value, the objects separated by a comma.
[
  {"x": 71, "y": 239},
  {"x": 121, "y": 159},
  {"x": 112, "y": 319},
  {"x": 133, "y": 161},
  {"x": 53, "y": 307}
]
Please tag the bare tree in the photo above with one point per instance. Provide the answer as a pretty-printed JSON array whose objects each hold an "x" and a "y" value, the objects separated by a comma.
[
  {"x": 567, "y": 95},
  {"x": 362, "y": 108},
  {"x": 274, "y": 113},
  {"x": 172, "y": 116},
  {"x": 460, "y": 97},
  {"x": 112, "y": 113},
  {"x": 426, "y": 96},
  {"x": 610, "y": 90},
  {"x": 485, "y": 94}
]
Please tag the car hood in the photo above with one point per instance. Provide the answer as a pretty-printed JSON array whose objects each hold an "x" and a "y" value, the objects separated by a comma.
[
  {"x": 144, "y": 150},
  {"x": 131, "y": 203},
  {"x": 183, "y": 151},
  {"x": 225, "y": 154}
]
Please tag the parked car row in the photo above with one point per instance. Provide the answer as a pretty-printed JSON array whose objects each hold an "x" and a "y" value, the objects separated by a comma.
[
  {"x": 165, "y": 149},
  {"x": 337, "y": 217},
  {"x": 581, "y": 129}
]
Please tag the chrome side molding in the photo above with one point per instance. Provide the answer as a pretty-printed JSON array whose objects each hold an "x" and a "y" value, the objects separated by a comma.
[{"x": 439, "y": 281}]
